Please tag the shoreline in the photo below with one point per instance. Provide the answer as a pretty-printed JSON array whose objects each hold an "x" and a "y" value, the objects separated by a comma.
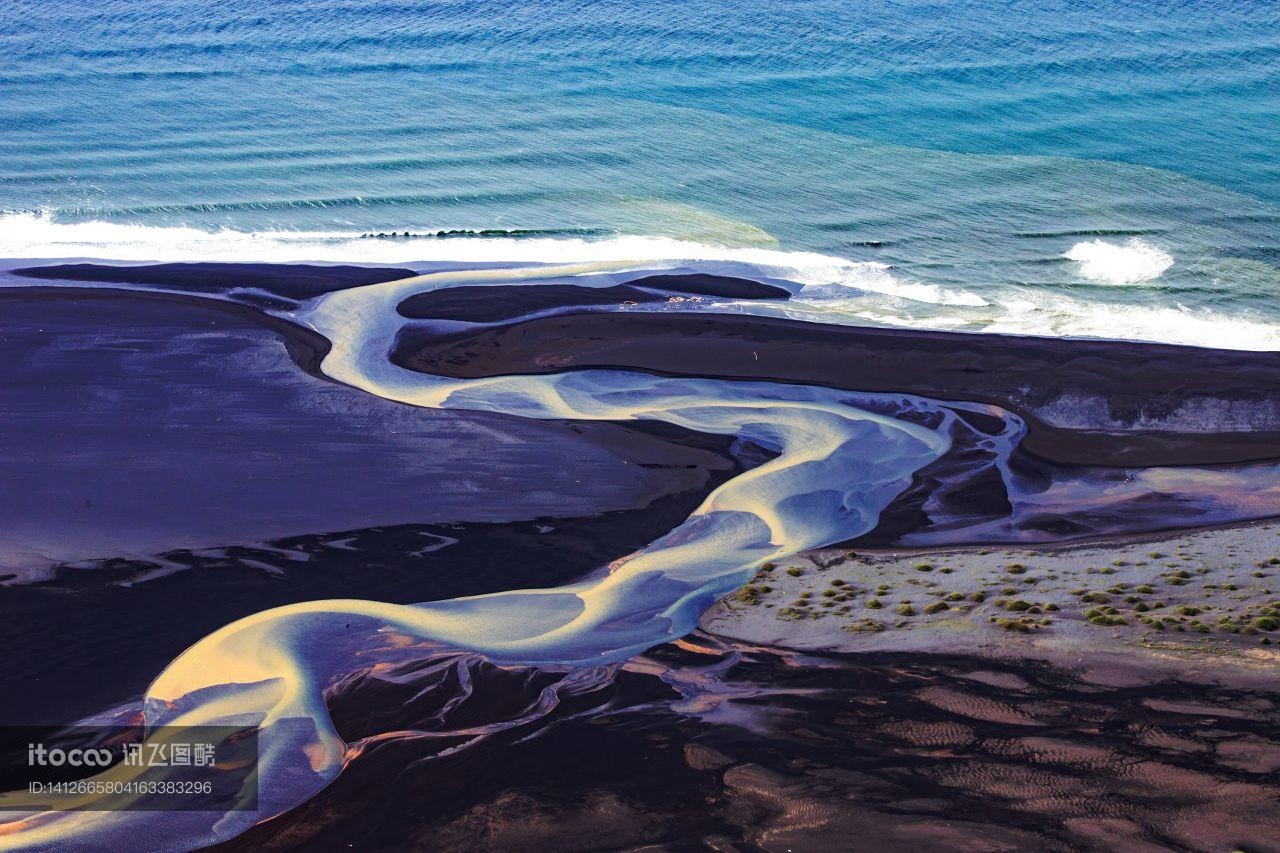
[
  {"x": 1024, "y": 374},
  {"x": 1086, "y": 402},
  {"x": 976, "y": 668},
  {"x": 1203, "y": 603},
  {"x": 983, "y": 368},
  {"x": 1134, "y": 404}
]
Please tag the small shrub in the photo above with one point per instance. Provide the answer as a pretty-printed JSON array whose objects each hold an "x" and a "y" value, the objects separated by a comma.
[{"x": 1097, "y": 616}]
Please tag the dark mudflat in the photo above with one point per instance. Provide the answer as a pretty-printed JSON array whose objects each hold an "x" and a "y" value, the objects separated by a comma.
[
  {"x": 704, "y": 745},
  {"x": 1129, "y": 380},
  {"x": 292, "y": 281},
  {"x": 491, "y": 304}
]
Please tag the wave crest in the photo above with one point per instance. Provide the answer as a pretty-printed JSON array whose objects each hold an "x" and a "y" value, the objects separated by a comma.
[{"x": 1135, "y": 261}]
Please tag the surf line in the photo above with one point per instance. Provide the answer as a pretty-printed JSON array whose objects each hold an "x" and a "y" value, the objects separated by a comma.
[{"x": 841, "y": 457}]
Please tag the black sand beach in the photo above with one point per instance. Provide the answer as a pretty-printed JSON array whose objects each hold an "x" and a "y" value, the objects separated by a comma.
[
  {"x": 1022, "y": 374},
  {"x": 707, "y": 743}
]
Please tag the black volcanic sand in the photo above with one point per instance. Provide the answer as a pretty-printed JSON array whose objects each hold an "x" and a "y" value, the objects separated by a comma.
[
  {"x": 1014, "y": 372},
  {"x": 95, "y": 636},
  {"x": 491, "y": 304},
  {"x": 175, "y": 443},
  {"x": 882, "y": 752},
  {"x": 1020, "y": 373},
  {"x": 479, "y": 304},
  {"x": 699, "y": 744},
  {"x": 290, "y": 281},
  {"x": 135, "y": 423},
  {"x": 295, "y": 282}
]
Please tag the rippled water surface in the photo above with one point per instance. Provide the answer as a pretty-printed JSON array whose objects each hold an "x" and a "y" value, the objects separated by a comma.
[
  {"x": 1071, "y": 169},
  {"x": 1064, "y": 168}
]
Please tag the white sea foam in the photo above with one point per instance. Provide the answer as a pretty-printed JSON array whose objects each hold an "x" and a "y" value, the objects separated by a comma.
[
  {"x": 826, "y": 288},
  {"x": 38, "y": 236},
  {"x": 833, "y": 283},
  {"x": 1132, "y": 262},
  {"x": 1061, "y": 316}
]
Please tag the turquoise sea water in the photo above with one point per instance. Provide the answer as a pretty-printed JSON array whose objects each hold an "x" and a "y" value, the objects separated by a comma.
[
  {"x": 1073, "y": 168},
  {"x": 1064, "y": 168}
]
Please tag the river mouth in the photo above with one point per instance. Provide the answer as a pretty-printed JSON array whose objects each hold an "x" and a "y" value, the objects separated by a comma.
[{"x": 686, "y": 466}]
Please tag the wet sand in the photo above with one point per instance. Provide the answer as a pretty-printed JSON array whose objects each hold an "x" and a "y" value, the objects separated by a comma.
[
  {"x": 488, "y": 304},
  {"x": 1135, "y": 404},
  {"x": 286, "y": 281},
  {"x": 135, "y": 424},
  {"x": 120, "y": 621},
  {"x": 1086, "y": 402},
  {"x": 713, "y": 745},
  {"x": 1108, "y": 695},
  {"x": 169, "y": 470}
]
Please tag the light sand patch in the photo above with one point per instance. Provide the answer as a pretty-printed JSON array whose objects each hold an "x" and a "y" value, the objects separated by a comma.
[{"x": 1205, "y": 600}]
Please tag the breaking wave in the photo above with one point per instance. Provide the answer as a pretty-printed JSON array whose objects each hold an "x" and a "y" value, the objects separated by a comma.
[
  {"x": 1132, "y": 262},
  {"x": 826, "y": 288}
]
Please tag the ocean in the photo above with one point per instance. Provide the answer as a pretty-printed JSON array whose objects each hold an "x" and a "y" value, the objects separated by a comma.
[
  {"x": 1094, "y": 169},
  {"x": 466, "y": 392}
]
